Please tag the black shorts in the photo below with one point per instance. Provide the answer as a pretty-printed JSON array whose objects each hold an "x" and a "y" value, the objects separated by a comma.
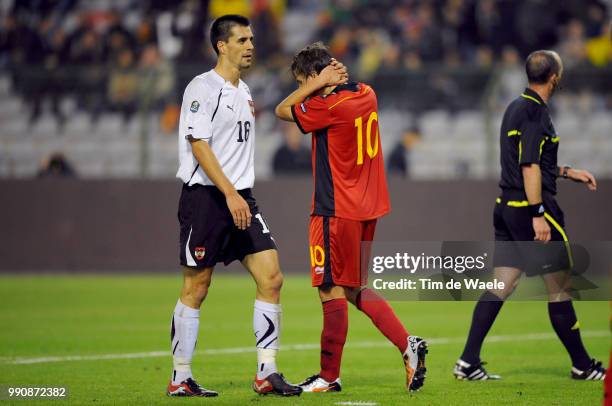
[
  {"x": 208, "y": 234},
  {"x": 514, "y": 236}
]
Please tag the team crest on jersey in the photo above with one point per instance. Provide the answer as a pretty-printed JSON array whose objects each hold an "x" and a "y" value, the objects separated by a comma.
[
  {"x": 194, "y": 106},
  {"x": 199, "y": 253},
  {"x": 252, "y": 104}
]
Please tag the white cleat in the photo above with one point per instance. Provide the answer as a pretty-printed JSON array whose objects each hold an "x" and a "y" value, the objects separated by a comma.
[
  {"x": 317, "y": 384},
  {"x": 414, "y": 360}
]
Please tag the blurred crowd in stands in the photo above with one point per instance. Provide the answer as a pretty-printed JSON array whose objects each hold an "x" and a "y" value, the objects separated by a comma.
[
  {"x": 389, "y": 34},
  {"x": 127, "y": 56},
  {"x": 113, "y": 55}
]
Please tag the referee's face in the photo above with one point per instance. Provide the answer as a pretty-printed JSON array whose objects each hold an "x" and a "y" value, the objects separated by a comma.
[{"x": 240, "y": 48}]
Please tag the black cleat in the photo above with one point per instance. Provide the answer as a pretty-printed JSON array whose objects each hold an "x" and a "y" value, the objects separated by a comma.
[
  {"x": 595, "y": 372},
  {"x": 275, "y": 384},
  {"x": 189, "y": 387},
  {"x": 472, "y": 372}
]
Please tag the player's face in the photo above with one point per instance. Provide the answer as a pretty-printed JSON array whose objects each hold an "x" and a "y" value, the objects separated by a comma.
[{"x": 239, "y": 48}]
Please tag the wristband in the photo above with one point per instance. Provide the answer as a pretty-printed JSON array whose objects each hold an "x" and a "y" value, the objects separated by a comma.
[
  {"x": 565, "y": 171},
  {"x": 536, "y": 210}
]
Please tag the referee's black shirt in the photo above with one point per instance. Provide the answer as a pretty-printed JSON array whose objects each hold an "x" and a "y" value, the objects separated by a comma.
[{"x": 528, "y": 136}]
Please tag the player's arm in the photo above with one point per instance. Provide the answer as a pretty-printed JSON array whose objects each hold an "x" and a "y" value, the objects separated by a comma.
[
  {"x": 333, "y": 75},
  {"x": 238, "y": 207},
  {"x": 578, "y": 175}
]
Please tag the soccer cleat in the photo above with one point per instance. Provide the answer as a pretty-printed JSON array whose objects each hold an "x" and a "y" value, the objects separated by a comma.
[
  {"x": 414, "y": 360},
  {"x": 472, "y": 372},
  {"x": 275, "y": 384},
  {"x": 596, "y": 372},
  {"x": 317, "y": 384},
  {"x": 189, "y": 387}
]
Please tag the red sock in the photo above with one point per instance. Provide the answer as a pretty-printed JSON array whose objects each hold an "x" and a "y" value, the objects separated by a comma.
[
  {"x": 383, "y": 317},
  {"x": 333, "y": 337},
  {"x": 608, "y": 387}
]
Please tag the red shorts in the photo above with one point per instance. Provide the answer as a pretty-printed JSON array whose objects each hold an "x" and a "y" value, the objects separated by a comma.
[{"x": 335, "y": 250}]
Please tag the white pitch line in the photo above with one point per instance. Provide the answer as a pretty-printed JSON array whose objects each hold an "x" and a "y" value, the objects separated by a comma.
[
  {"x": 289, "y": 347},
  {"x": 359, "y": 403}
]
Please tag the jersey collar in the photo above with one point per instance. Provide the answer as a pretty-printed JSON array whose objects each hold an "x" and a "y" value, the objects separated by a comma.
[
  {"x": 532, "y": 96},
  {"x": 350, "y": 86},
  {"x": 226, "y": 83}
]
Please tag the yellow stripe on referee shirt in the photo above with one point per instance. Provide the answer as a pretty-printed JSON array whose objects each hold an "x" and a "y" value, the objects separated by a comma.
[
  {"x": 518, "y": 203},
  {"x": 526, "y": 96}
]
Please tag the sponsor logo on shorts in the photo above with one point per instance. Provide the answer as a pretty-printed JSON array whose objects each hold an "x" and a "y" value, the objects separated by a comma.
[{"x": 199, "y": 253}]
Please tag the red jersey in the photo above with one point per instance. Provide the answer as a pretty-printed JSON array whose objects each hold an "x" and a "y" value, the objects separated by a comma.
[{"x": 347, "y": 161}]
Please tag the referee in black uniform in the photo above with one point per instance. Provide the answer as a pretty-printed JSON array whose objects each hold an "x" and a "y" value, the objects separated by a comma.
[{"x": 527, "y": 211}]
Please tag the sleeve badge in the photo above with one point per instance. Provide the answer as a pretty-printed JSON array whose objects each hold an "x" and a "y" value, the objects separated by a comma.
[{"x": 194, "y": 106}]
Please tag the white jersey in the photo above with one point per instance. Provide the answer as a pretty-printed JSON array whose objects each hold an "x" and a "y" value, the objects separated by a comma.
[{"x": 224, "y": 116}]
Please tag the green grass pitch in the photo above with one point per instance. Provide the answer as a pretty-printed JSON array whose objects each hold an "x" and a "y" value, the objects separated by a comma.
[{"x": 61, "y": 315}]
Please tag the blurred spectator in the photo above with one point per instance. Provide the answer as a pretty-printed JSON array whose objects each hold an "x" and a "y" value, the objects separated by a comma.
[
  {"x": 86, "y": 70},
  {"x": 536, "y": 25},
  {"x": 398, "y": 162},
  {"x": 373, "y": 46},
  {"x": 123, "y": 85},
  {"x": 572, "y": 46},
  {"x": 155, "y": 79},
  {"x": 116, "y": 37},
  {"x": 595, "y": 19},
  {"x": 221, "y": 7},
  {"x": 512, "y": 76},
  {"x": 599, "y": 48},
  {"x": 293, "y": 157},
  {"x": 42, "y": 83},
  {"x": 265, "y": 25},
  {"x": 56, "y": 166}
]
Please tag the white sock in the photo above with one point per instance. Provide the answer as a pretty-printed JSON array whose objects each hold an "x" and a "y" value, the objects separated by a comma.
[
  {"x": 266, "y": 324},
  {"x": 185, "y": 322}
]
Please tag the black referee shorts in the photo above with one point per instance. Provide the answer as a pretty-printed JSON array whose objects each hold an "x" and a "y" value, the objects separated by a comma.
[
  {"x": 514, "y": 236},
  {"x": 208, "y": 234}
]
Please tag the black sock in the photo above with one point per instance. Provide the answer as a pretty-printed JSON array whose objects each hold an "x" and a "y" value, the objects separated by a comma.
[
  {"x": 565, "y": 323},
  {"x": 484, "y": 315}
]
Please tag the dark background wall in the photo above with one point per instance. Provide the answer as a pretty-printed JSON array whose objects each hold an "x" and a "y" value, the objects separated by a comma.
[{"x": 110, "y": 225}]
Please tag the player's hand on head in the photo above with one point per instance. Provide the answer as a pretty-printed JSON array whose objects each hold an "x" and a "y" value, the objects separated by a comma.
[
  {"x": 239, "y": 208},
  {"x": 330, "y": 76},
  {"x": 541, "y": 229},
  {"x": 340, "y": 68},
  {"x": 580, "y": 175}
]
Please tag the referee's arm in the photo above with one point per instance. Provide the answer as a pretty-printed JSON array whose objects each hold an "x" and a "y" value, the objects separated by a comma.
[
  {"x": 532, "y": 178},
  {"x": 237, "y": 206}
]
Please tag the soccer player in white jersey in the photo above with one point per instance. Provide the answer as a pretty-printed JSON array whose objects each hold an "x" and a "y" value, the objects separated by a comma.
[{"x": 219, "y": 218}]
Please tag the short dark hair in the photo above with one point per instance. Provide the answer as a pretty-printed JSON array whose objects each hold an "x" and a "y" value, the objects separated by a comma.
[
  {"x": 311, "y": 60},
  {"x": 541, "y": 65},
  {"x": 221, "y": 29}
]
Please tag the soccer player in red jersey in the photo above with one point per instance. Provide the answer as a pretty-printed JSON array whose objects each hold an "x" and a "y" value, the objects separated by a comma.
[{"x": 350, "y": 195}]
